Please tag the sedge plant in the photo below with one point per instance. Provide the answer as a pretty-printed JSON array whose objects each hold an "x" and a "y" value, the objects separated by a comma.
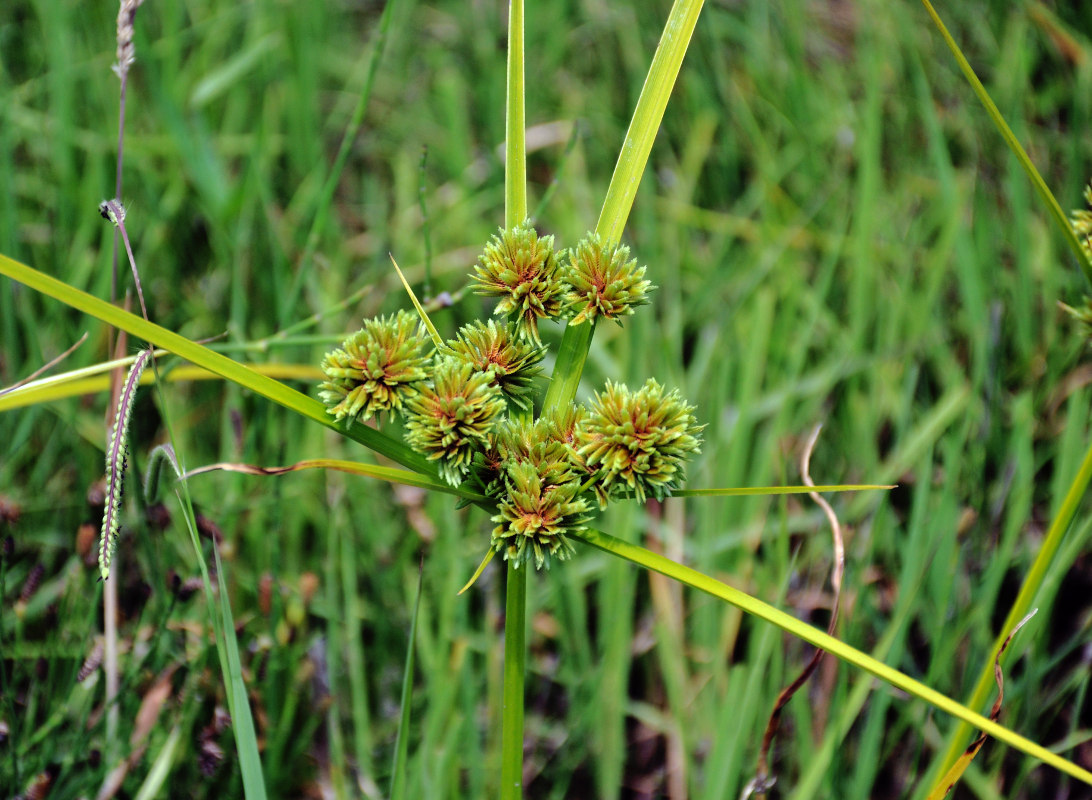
[{"x": 472, "y": 422}]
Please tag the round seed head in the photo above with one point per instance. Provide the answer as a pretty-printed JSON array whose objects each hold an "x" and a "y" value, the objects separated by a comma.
[
  {"x": 600, "y": 282},
  {"x": 376, "y": 369},
  {"x": 533, "y": 518},
  {"x": 513, "y": 363},
  {"x": 450, "y": 419},
  {"x": 638, "y": 440},
  {"x": 521, "y": 269},
  {"x": 538, "y": 444}
]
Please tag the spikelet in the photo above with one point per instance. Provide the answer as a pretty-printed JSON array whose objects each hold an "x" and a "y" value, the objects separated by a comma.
[{"x": 116, "y": 454}]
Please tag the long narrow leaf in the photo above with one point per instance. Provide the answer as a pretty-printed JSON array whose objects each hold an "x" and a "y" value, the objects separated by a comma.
[
  {"x": 401, "y": 743},
  {"x": 627, "y": 177},
  {"x": 1014, "y": 145},
  {"x": 691, "y": 577},
  {"x": 212, "y": 361},
  {"x": 389, "y": 474},
  {"x": 242, "y": 721},
  {"x": 93, "y": 379},
  {"x": 1044, "y": 559}
]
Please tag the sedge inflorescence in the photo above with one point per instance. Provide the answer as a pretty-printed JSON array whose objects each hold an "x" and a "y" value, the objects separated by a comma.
[
  {"x": 467, "y": 405},
  {"x": 1081, "y": 221},
  {"x": 376, "y": 369}
]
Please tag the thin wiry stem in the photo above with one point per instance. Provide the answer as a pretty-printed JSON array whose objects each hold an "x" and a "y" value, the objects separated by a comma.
[
  {"x": 45, "y": 367},
  {"x": 114, "y": 211},
  {"x": 126, "y": 55},
  {"x": 764, "y": 781}
]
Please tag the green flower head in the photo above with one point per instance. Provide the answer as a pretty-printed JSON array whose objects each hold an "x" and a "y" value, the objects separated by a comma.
[
  {"x": 450, "y": 419},
  {"x": 533, "y": 518},
  {"x": 513, "y": 363},
  {"x": 538, "y": 444},
  {"x": 1081, "y": 220},
  {"x": 376, "y": 369},
  {"x": 522, "y": 270},
  {"x": 638, "y": 440},
  {"x": 600, "y": 282}
]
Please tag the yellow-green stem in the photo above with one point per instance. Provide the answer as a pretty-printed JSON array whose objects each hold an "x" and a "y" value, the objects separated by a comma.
[
  {"x": 515, "y": 656},
  {"x": 515, "y": 211},
  {"x": 1017, "y": 149},
  {"x": 515, "y": 145}
]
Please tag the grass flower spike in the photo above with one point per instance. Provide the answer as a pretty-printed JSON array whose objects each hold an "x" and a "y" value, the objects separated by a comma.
[
  {"x": 533, "y": 518},
  {"x": 116, "y": 457},
  {"x": 450, "y": 420},
  {"x": 639, "y": 440},
  {"x": 522, "y": 269},
  {"x": 376, "y": 369},
  {"x": 600, "y": 282},
  {"x": 513, "y": 363}
]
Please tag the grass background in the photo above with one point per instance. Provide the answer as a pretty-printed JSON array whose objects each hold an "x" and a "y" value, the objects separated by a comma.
[{"x": 837, "y": 234}]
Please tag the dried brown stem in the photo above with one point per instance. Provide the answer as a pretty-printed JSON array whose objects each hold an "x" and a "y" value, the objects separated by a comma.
[
  {"x": 45, "y": 367},
  {"x": 763, "y": 781}
]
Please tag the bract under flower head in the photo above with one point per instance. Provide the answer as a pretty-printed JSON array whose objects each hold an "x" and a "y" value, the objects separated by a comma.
[
  {"x": 376, "y": 369},
  {"x": 450, "y": 420},
  {"x": 513, "y": 363},
  {"x": 521, "y": 269},
  {"x": 600, "y": 282},
  {"x": 639, "y": 440}
]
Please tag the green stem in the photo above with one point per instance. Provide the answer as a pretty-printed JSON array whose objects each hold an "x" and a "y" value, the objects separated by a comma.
[
  {"x": 515, "y": 145},
  {"x": 515, "y": 656},
  {"x": 1044, "y": 559},
  {"x": 515, "y": 611}
]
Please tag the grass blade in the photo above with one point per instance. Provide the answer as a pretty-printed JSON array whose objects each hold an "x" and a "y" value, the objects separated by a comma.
[
  {"x": 242, "y": 722},
  {"x": 401, "y": 743},
  {"x": 691, "y": 577},
  {"x": 212, "y": 361},
  {"x": 1014, "y": 145},
  {"x": 389, "y": 474},
  {"x": 1022, "y": 604}
]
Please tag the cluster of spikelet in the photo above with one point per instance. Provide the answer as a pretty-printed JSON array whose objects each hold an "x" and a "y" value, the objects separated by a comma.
[
  {"x": 467, "y": 405},
  {"x": 1081, "y": 220}
]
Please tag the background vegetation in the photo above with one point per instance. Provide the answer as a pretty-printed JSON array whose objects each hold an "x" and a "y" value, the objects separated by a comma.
[{"x": 838, "y": 234}]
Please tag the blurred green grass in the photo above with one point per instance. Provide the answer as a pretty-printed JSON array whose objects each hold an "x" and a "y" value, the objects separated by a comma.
[{"x": 838, "y": 235}]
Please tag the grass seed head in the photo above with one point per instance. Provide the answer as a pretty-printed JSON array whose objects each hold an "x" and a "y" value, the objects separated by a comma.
[
  {"x": 540, "y": 445},
  {"x": 534, "y": 518},
  {"x": 1081, "y": 220},
  {"x": 514, "y": 363}
]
